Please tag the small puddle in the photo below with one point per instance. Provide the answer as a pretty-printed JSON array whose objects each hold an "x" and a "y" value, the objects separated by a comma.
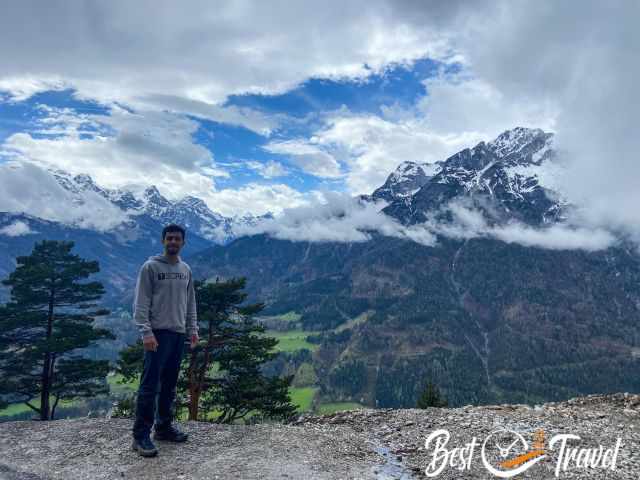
[{"x": 392, "y": 468}]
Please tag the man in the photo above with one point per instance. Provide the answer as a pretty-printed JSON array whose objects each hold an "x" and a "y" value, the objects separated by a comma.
[{"x": 165, "y": 313}]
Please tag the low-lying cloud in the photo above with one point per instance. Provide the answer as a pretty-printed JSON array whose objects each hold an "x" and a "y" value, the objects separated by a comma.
[
  {"x": 342, "y": 218},
  {"x": 16, "y": 229},
  {"x": 471, "y": 223}
]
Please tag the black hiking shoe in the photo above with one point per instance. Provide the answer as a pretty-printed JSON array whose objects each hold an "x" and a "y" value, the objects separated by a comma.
[
  {"x": 171, "y": 434},
  {"x": 144, "y": 446}
]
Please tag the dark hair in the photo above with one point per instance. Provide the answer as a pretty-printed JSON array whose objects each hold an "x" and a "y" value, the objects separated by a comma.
[{"x": 172, "y": 227}]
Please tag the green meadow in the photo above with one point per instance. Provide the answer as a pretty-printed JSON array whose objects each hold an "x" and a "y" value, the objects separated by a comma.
[
  {"x": 15, "y": 408},
  {"x": 292, "y": 340}
]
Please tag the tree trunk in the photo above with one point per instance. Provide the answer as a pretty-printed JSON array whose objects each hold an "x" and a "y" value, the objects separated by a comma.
[
  {"x": 46, "y": 368},
  {"x": 53, "y": 409},
  {"x": 194, "y": 395},
  {"x": 194, "y": 389},
  {"x": 44, "y": 394}
]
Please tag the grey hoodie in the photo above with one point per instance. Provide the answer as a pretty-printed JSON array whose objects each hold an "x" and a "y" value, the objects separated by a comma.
[{"x": 165, "y": 297}]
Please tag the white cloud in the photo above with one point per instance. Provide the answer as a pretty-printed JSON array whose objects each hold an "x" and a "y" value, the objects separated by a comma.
[
  {"x": 255, "y": 198},
  {"x": 23, "y": 87},
  {"x": 372, "y": 147},
  {"x": 336, "y": 217},
  {"x": 154, "y": 148},
  {"x": 16, "y": 229},
  {"x": 470, "y": 223},
  {"x": 465, "y": 104},
  {"x": 269, "y": 169},
  {"x": 31, "y": 189},
  {"x": 202, "y": 51},
  {"x": 308, "y": 157},
  {"x": 251, "y": 119}
]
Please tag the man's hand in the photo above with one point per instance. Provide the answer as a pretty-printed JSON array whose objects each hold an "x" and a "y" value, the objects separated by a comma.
[
  {"x": 150, "y": 343},
  {"x": 194, "y": 340}
]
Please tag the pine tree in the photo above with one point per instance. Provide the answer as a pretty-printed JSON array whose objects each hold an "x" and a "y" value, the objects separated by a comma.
[
  {"x": 431, "y": 397},
  {"x": 223, "y": 373},
  {"x": 51, "y": 314}
]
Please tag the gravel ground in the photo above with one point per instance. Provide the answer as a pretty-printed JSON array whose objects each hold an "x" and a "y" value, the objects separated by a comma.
[{"x": 377, "y": 444}]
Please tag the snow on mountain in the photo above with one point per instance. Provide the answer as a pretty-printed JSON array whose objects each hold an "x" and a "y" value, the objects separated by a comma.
[
  {"x": 406, "y": 180},
  {"x": 517, "y": 173},
  {"x": 189, "y": 211},
  {"x": 517, "y": 170},
  {"x": 516, "y": 141}
]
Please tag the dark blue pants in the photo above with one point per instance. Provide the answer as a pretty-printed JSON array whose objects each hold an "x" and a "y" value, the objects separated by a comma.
[{"x": 158, "y": 383}]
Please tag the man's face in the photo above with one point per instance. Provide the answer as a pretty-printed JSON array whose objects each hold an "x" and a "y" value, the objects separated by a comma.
[{"x": 173, "y": 242}]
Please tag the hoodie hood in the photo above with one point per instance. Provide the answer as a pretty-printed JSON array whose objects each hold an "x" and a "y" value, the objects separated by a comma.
[{"x": 162, "y": 258}]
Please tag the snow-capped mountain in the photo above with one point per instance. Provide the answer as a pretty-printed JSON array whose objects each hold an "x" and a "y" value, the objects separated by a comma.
[
  {"x": 191, "y": 212},
  {"x": 405, "y": 180},
  {"x": 510, "y": 177}
]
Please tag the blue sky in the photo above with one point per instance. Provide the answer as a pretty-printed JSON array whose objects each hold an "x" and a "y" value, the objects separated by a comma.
[
  {"x": 23, "y": 116},
  {"x": 304, "y": 107},
  {"x": 397, "y": 84},
  {"x": 236, "y": 149},
  {"x": 311, "y": 99},
  {"x": 266, "y": 106}
]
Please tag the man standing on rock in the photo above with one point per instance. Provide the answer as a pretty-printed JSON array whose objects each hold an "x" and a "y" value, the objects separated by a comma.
[{"x": 165, "y": 313}]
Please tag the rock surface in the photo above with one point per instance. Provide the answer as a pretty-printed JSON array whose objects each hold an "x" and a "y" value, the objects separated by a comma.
[{"x": 355, "y": 444}]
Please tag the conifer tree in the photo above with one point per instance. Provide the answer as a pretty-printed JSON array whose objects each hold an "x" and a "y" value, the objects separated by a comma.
[
  {"x": 431, "y": 397},
  {"x": 50, "y": 314},
  {"x": 223, "y": 373}
]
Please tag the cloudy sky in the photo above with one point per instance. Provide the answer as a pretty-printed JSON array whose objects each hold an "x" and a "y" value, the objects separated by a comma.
[{"x": 259, "y": 106}]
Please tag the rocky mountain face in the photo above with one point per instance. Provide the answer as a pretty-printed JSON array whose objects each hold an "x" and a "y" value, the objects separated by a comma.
[
  {"x": 406, "y": 180},
  {"x": 372, "y": 444},
  {"x": 504, "y": 178},
  {"x": 487, "y": 320}
]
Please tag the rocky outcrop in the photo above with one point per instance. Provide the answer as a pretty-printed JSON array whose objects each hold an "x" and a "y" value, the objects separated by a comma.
[{"x": 355, "y": 444}]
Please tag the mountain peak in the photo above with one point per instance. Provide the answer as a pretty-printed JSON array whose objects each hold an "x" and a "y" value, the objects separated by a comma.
[
  {"x": 509, "y": 170},
  {"x": 193, "y": 202},
  {"x": 514, "y": 140},
  {"x": 406, "y": 179}
]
